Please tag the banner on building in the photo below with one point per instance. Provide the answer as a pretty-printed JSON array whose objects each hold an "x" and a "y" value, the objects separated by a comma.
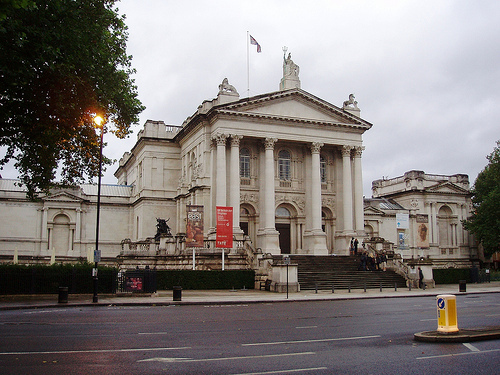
[
  {"x": 194, "y": 226},
  {"x": 224, "y": 236},
  {"x": 422, "y": 230}
]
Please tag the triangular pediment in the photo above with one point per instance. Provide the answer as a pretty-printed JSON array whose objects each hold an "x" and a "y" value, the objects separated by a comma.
[
  {"x": 370, "y": 210},
  {"x": 293, "y": 105},
  {"x": 447, "y": 188},
  {"x": 62, "y": 196}
]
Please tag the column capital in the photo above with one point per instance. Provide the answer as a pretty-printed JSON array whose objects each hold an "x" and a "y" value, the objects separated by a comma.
[
  {"x": 235, "y": 140},
  {"x": 358, "y": 150},
  {"x": 316, "y": 147},
  {"x": 220, "y": 139},
  {"x": 346, "y": 150},
  {"x": 269, "y": 143}
]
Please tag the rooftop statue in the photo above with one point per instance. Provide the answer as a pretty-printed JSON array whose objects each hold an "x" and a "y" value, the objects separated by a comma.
[
  {"x": 226, "y": 88},
  {"x": 351, "y": 103},
  {"x": 289, "y": 67}
]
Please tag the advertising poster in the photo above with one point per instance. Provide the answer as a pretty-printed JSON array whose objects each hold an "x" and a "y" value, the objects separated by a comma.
[
  {"x": 422, "y": 230},
  {"x": 194, "y": 226},
  {"x": 224, "y": 236}
]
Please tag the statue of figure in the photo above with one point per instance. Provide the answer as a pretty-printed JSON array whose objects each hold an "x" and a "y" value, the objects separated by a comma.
[
  {"x": 289, "y": 67},
  {"x": 225, "y": 87},
  {"x": 351, "y": 103},
  {"x": 162, "y": 228}
]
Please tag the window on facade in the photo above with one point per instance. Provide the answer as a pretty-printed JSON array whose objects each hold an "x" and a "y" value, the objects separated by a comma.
[
  {"x": 244, "y": 163},
  {"x": 282, "y": 212},
  {"x": 322, "y": 168},
  {"x": 284, "y": 162}
]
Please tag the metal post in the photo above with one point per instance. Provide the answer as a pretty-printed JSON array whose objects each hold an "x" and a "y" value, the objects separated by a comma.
[
  {"x": 380, "y": 286},
  {"x": 95, "y": 298}
]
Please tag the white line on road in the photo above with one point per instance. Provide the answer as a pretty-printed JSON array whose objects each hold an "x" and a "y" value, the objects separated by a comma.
[
  {"x": 285, "y": 371},
  {"x": 184, "y": 360},
  {"x": 310, "y": 341},
  {"x": 95, "y": 351},
  {"x": 459, "y": 354},
  {"x": 428, "y": 320},
  {"x": 471, "y": 347},
  {"x": 306, "y": 327}
]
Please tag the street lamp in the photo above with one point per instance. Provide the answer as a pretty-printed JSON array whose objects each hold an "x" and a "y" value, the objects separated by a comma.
[{"x": 99, "y": 121}]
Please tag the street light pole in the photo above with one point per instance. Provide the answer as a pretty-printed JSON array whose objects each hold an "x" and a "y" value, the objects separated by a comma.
[{"x": 99, "y": 121}]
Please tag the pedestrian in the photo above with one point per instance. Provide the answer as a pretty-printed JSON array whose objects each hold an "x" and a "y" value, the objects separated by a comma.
[
  {"x": 351, "y": 246},
  {"x": 356, "y": 242},
  {"x": 383, "y": 261},
  {"x": 420, "y": 278}
]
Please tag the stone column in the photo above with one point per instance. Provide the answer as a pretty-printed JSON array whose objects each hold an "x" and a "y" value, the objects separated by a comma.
[
  {"x": 269, "y": 236},
  {"x": 347, "y": 188},
  {"x": 316, "y": 186},
  {"x": 358, "y": 192},
  {"x": 220, "y": 195},
  {"x": 269, "y": 189},
  {"x": 234, "y": 182},
  {"x": 316, "y": 238}
]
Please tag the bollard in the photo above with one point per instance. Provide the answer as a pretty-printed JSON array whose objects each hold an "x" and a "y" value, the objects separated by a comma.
[
  {"x": 333, "y": 288},
  {"x": 349, "y": 288},
  {"x": 409, "y": 285},
  {"x": 63, "y": 294},
  {"x": 462, "y": 286},
  {"x": 177, "y": 294},
  {"x": 447, "y": 313},
  {"x": 395, "y": 287},
  {"x": 381, "y": 287},
  {"x": 365, "y": 287},
  {"x": 316, "y": 288}
]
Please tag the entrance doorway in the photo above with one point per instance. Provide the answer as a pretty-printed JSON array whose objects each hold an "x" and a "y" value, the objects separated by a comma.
[{"x": 284, "y": 237}]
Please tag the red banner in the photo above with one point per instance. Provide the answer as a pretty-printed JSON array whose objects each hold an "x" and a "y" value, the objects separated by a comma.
[
  {"x": 224, "y": 236},
  {"x": 194, "y": 226}
]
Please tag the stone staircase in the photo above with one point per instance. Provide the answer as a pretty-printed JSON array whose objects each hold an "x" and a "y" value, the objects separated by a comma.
[{"x": 341, "y": 272}]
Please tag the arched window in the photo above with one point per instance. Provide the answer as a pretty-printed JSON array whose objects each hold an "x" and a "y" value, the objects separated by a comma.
[
  {"x": 244, "y": 163},
  {"x": 282, "y": 212},
  {"x": 284, "y": 162},
  {"x": 322, "y": 168}
]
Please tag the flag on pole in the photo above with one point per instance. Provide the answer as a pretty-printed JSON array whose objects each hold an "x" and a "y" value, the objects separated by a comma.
[{"x": 255, "y": 43}]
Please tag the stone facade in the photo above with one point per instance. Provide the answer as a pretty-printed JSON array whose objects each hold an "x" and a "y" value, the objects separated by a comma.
[
  {"x": 435, "y": 206},
  {"x": 288, "y": 162}
]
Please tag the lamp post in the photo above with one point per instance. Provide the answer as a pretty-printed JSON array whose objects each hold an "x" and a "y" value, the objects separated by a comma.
[{"x": 99, "y": 121}]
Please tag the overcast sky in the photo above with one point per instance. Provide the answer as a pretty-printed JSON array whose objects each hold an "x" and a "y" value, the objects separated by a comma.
[{"x": 426, "y": 74}]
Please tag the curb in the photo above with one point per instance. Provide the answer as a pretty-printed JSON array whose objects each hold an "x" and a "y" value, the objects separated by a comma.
[{"x": 463, "y": 335}]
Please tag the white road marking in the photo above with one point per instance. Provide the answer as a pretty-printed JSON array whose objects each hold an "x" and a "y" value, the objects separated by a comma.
[
  {"x": 310, "y": 341},
  {"x": 184, "y": 360},
  {"x": 285, "y": 371},
  {"x": 459, "y": 354},
  {"x": 471, "y": 347},
  {"x": 95, "y": 351},
  {"x": 306, "y": 327},
  {"x": 428, "y": 320}
]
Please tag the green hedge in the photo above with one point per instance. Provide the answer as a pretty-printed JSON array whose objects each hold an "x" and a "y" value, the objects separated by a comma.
[
  {"x": 189, "y": 279},
  {"x": 40, "y": 279},
  {"x": 451, "y": 275}
]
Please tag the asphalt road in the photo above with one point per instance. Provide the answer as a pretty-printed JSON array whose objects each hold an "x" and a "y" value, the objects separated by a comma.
[{"x": 373, "y": 336}]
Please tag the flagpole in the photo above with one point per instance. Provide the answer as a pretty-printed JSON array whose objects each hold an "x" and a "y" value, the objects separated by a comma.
[{"x": 248, "y": 65}]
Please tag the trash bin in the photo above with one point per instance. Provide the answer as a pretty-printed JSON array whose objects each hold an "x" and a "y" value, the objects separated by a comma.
[
  {"x": 63, "y": 294},
  {"x": 177, "y": 293},
  {"x": 462, "y": 286}
]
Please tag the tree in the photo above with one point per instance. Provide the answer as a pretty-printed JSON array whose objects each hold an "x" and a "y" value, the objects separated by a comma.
[
  {"x": 62, "y": 62},
  {"x": 485, "y": 220}
]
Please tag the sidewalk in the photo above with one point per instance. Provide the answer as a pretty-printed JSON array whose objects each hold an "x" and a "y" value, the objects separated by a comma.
[{"x": 238, "y": 296}]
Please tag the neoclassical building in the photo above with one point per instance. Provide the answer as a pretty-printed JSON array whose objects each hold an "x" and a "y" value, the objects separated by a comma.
[
  {"x": 434, "y": 207},
  {"x": 288, "y": 162}
]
